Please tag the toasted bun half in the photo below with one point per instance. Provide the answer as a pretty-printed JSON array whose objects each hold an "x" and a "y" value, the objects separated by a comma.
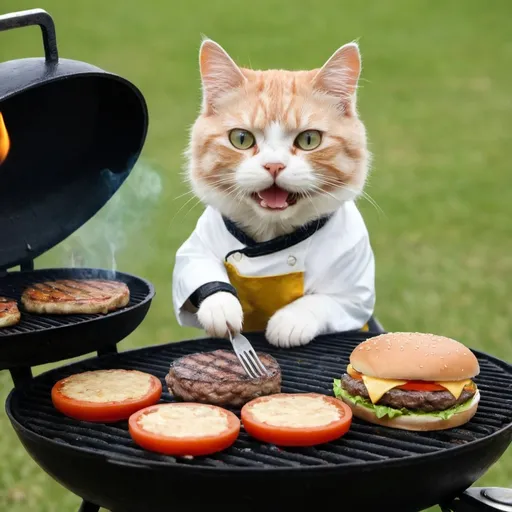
[
  {"x": 417, "y": 423},
  {"x": 414, "y": 356}
]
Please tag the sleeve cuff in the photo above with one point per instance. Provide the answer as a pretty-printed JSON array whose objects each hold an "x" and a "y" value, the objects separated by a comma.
[{"x": 208, "y": 289}]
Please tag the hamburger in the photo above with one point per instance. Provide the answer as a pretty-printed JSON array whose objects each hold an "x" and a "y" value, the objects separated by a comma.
[{"x": 411, "y": 381}]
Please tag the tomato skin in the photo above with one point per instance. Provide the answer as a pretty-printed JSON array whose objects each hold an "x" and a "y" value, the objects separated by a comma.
[
  {"x": 106, "y": 412},
  {"x": 183, "y": 446},
  {"x": 419, "y": 385},
  {"x": 288, "y": 436}
]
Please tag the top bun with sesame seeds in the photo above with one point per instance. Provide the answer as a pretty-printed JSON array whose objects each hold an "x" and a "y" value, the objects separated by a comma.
[{"x": 414, "y": 356}]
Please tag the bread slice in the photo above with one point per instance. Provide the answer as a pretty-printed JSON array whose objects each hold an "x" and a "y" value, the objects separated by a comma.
[
  {"x": 75, "y": 296},
  {"x": 9, "y": 312}
]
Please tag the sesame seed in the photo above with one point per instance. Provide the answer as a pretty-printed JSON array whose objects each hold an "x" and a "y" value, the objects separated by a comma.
[{"x": 421, "y": 366}]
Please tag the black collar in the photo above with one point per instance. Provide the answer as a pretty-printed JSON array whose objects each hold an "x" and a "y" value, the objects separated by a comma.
[{"x": 254, "y": 249}]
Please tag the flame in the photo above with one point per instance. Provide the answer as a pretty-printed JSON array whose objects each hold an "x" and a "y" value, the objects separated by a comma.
[{"x": 5, "y": 143}]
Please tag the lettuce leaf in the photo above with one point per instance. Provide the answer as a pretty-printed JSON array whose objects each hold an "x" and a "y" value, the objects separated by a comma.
[{"x": 382, "y": 410}]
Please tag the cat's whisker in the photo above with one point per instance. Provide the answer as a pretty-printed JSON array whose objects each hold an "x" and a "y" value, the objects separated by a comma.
[
  {"x": 183, "y": 195},
  {"x": 326, "y": 182},
  {"x": 181, "y": 208},
  {"x": 195, "y": 205}
]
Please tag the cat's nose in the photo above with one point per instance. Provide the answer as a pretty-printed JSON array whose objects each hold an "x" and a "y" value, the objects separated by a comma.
[{"x": 274, "y": 169}]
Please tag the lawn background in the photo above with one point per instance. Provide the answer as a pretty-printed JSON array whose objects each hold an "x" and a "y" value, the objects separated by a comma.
[{"x": 436, "y": 98}]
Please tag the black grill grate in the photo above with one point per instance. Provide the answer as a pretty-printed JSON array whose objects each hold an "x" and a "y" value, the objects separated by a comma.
[
  {"x": 307, "y": 369},
  {"x": 13, "y": 284}
]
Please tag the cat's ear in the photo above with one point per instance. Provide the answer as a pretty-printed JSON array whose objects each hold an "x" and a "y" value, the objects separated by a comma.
[
  {"x": 339, "y": 76},
  {"x": 219, "y": 73}
]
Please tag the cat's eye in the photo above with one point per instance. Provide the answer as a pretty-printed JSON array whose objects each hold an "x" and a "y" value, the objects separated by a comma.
[
  {"x": 308, "y": 140},
  {"x": 241, "y": 139}
]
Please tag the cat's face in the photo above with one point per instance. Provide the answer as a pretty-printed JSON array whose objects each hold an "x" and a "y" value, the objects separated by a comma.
[{"x": 273, "y": 149}]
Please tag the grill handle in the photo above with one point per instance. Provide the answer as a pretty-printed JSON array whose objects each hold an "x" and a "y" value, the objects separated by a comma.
[{"x": 34, "y": 17}]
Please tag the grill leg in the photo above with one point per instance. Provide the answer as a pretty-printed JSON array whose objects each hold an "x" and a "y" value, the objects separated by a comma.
[
  {"x": 111, "y": 349},
  {"x": 21, "y": 375},
  {"x": 87, "y": 506}
]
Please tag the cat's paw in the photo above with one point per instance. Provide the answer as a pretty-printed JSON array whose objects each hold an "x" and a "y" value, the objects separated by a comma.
[
  {"x": 220, "y": 312},
  {"x": 292, "y": 326}
]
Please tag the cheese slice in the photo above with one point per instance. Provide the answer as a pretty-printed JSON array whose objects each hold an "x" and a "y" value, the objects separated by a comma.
[
  {"x": 379, "y": 387},
  {"x": 455, "y": 387}
]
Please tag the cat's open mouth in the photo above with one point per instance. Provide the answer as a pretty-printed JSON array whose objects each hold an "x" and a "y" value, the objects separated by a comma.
[{"x": 275, "y": 198}]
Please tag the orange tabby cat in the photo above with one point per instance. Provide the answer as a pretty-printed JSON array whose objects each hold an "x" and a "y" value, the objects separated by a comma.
[{"x": 279, "y": 158}]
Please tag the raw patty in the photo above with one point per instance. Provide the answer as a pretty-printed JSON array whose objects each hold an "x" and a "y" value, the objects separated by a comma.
[
  {"x": 81, "y": 296},
  {"x": 218, "y": 378},
  {"x": 9, "y": 312}
]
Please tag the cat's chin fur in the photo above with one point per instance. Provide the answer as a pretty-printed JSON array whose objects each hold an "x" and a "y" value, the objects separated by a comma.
[{"x": 263, "y": 224}]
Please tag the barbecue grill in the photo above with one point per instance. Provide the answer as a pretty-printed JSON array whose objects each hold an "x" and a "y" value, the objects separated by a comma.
[{"x": 371, "y": 467}]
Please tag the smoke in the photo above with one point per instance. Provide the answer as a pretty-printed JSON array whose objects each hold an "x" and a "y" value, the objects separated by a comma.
[{"x": 120, "y": 225}]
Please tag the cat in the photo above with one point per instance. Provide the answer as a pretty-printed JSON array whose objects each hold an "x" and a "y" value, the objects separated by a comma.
[{"x": 279, "y": 158}]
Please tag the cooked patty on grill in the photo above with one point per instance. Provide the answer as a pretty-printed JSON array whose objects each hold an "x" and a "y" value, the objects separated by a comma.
[
  {"x": 420, "y": 400},
  {"x": 9, "y": 312},
  {"x": 75, "y": 296},
  {"x": 218, "y": 378}
]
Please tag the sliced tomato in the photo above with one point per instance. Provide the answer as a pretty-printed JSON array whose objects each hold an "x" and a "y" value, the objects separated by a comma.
[
  {"x": 289, "y": 419},
  {"x": 419, "y": 385},
  {"x": 93, "y": 384},
  {"x": 184, "y": 428},
  {"x": 354, "y": 373}
]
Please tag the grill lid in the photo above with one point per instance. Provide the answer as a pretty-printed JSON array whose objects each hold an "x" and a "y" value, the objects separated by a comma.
[{"x": 75, "y": 134}]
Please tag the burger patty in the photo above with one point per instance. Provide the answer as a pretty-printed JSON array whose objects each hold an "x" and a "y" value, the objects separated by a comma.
[
  {"x": 426, "y": 401},
  {"x": 218, "y": 378},
  {"x": 9, "y": 312},
  {"x": 75, "y": 296}
]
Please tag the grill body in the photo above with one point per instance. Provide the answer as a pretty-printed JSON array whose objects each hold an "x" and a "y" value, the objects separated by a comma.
[
  {"x": 39, "y": 339},
  {"x": 372, "y": 467}
]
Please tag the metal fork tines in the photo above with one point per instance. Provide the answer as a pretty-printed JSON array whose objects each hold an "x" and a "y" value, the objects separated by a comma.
[{"x": 248, "y": 358}]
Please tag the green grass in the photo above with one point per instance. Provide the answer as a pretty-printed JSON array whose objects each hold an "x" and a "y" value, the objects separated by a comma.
[{"x": 437, "y": 104}]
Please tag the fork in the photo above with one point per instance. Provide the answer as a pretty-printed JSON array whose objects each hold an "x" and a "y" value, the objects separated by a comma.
[{"x": 248, "y": 358}]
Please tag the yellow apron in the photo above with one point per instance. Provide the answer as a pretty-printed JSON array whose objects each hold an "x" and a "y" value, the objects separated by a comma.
[{"x": 262, "y": 296}]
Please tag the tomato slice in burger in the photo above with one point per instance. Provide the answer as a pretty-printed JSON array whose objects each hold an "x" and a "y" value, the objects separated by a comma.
[
  {"x": 419, "y": 385},
  {"x": 296, "y": 419},
  {"x": 105, "y": 395},
  {"x": 184, "y": 428}
]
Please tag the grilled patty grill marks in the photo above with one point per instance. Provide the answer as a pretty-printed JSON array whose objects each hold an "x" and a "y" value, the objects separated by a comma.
[
  {"x": 215, "y": 366},
  {"x": 69, "y": 296},
  {"x": 426, "y": 401},
  {"x": 72, "y": 290},
  {"x": 218, "y": 378}
]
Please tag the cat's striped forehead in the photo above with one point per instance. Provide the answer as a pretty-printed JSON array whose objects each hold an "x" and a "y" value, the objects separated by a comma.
[{"x": 277, "y": 96}]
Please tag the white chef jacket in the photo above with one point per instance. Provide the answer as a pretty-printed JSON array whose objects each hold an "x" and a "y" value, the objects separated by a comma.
[{"x": 332, "y": 256}]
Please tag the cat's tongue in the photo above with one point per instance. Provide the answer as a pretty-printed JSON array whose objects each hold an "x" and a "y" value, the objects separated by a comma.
[{"x": 274, "y": 197}]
